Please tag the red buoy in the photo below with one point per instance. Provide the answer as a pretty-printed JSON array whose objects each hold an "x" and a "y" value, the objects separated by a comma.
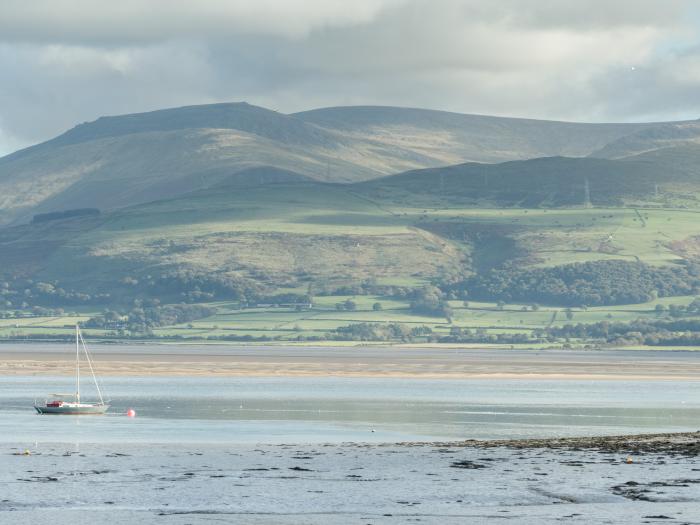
[{"x": 131, "y": 412}]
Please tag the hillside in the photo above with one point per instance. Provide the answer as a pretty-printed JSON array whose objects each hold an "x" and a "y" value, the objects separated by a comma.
[
  {"x": 455, "y": 137},
  {"x": 125, "y": 160},
  {"x": 545, "y": 182},
  {"x": 277, "y": 229},
  {"x": 649, "y": 139},
  {"x": 282, "y": 235}
]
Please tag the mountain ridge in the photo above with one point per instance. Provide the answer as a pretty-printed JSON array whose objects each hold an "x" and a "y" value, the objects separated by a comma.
[{"x": 124, "y": 160}]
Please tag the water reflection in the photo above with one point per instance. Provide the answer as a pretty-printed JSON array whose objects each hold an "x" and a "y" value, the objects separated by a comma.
[{"x": 270, "y": 410}]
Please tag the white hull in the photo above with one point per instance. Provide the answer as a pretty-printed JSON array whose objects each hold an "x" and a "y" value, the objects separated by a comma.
[{"x": 72, "y": 409}]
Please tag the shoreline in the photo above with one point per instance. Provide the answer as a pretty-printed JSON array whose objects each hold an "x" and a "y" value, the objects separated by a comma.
[
  {"x": 680, "y": 443},
  {"x": 358, "y": 345}
]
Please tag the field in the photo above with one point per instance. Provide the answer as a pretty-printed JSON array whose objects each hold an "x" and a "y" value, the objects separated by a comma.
[{"x": 286, "y": 324}]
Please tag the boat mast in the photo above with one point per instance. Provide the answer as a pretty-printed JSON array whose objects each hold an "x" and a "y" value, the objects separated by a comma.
[
  {"x": 77, "y": 363},
  {"x": 92, "y": 370}
]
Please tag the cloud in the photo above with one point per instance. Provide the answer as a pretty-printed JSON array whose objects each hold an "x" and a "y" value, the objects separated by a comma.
[
  {"x": 129, "y": 21},
  {"x": 54, "y": 87},
  {"x": 67, "y": 61},
  {"x": 663, "y": 88}
]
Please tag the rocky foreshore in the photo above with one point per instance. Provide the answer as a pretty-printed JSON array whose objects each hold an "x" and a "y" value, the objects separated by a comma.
[{"x": 676, "y": 443}]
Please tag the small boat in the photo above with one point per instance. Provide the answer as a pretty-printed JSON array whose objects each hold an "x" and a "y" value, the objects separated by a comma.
[{"x": 70, "y": 404}]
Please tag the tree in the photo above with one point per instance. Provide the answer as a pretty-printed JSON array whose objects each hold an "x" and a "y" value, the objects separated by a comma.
[
  {"x": 112, "y": 316},
  {"x": 594, "y": 283},
  {"x": 377, "y": 307},
  {"x": 569, "y": 313},
  {"x": 431, "y": 301},
  {"x": 350, "y": 305}
]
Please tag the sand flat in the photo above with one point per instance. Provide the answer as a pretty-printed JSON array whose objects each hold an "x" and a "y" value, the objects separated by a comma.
[{"x": 203, "y": 360}]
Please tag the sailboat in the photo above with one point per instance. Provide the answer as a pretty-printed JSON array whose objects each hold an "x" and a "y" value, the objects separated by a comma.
[{"x": 71, "y": 403}]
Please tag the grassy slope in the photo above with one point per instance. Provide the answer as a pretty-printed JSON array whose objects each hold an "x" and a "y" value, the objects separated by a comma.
[
  {"x": 650, "y": 139},
  {"x": 544, "y": 182},
  {"x": 280, "y": 230},
  {"x": 330, "y": 233}
]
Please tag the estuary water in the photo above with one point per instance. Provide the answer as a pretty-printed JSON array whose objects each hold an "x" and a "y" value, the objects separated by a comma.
[{"x": 249, "y": 410}]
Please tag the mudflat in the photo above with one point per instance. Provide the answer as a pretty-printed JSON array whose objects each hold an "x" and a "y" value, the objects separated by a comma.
[{"x": 622, "y": 479}]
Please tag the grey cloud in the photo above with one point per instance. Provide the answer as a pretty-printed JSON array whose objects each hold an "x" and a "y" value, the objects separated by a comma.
[
  {"x": 55, "y": 87},
  {"x": 665, "y": 88},
  {"x": 137, "y": 21},
  {"x": 592, "y": 14}
]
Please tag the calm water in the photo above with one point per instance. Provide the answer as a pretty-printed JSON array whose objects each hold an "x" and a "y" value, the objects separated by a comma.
[{"x": 308, "y": 410}]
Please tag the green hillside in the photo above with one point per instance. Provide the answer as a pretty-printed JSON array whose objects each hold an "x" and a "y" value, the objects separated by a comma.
[
  {"x": 649, "y": 139},
  {"x": 544, "y": 182},
  {"x": 280, "y": 229}
]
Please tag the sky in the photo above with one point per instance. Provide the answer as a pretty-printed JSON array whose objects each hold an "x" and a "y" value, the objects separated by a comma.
[{"x": 63, "y": 62}]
